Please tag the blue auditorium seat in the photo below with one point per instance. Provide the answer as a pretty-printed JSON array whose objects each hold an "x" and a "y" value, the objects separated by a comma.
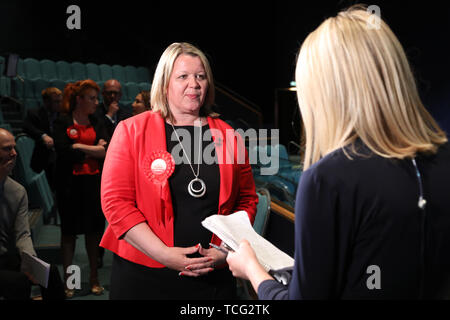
[
  {"x": 100, "y": 96},
  {"x": 36, "y": 184},
  {"x": 282, "y": 151},
  {"x": 100, "y": 84},
  {"x": 262, "y": 211},
  {"x": 39, "y": 85},
  {"x": 105, "y": 72},
  {"x": 78, "y": 71},
  {"x": 131, "y": 74},
  {"x": 118, "y": 73},
  {"x": 5, "y": 86},
  {"x": 28, "y": 89},
  {"x": 143, "y": 75},
  {"x": 278, "y": 189},
  {"x": 64, "y": 71},
  {"x": 260, "y": 226},
  {"x": 266, "y": 151},
  {"x": 125, "y": 99},
  {"x": 18, "y": 86},
  {"x": 20, "y": 68},
  {"x": 32, "y": 68},
  {"x": 25, "y": 92},
  {"x": 291, "y": 175},
  {"x": 145, "y": 86},
  {"x": 58, "y": 83},
  {"x": 93, "y": 71},
  {"x": 132, "y": 90},
  {"x": 283, "y": 156},
  {"x": 48, "y": 69}
]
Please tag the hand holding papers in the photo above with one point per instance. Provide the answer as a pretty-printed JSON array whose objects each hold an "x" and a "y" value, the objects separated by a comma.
[
  {"x": 38, "y": 269},
  {"x": 232, "y": 229}
]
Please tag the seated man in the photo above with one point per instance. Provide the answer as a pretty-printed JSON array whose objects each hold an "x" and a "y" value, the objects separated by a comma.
[
  {"x": 15, "y": 235},
  {"x": 38, "y": 124},
  {"x": 110, "y": 110}
]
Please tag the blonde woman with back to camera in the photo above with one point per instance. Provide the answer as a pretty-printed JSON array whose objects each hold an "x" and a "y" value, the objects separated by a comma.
[{"x": 372, "y": 216}]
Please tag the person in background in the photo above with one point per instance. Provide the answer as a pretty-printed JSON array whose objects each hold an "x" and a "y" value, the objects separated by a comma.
[
  {"x": 80, "y": 143},
  {"x": 15, "y": 235},
  {"x": 372, "y": 211},
  {"x": 38, "y": 124},
  {"x": 110, "y": 111},
  {"x": 154, "y": 208},
  {"x": 141, "y": 102}
]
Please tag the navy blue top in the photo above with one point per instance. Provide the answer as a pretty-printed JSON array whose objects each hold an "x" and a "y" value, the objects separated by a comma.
[{"x": 359, "y": 233}]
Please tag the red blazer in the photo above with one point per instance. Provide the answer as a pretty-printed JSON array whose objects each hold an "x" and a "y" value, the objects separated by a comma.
[{"x": 129, "y": 197}]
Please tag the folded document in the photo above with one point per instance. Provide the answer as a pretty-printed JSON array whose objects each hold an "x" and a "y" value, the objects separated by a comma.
[{"x": 38, "y": 269}]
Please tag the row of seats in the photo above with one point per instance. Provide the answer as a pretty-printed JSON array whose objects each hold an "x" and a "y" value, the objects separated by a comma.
[
  {"x": 260, "y": 226},
  {"x": 37, "y": 75},
  {"x": 31, "y": 68},
  {"x": 257, "y": 152},
  {"x": 3, "y": 124},
  {"x": 283, "y": 184},
  {"x": 29, "y": 91}
]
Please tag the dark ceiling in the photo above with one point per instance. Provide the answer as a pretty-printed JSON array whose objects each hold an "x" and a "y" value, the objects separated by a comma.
[{"x": 251, "y": 45}]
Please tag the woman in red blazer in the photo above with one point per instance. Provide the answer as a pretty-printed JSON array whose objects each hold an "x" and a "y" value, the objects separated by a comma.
[{"x": 155, "y": 205}]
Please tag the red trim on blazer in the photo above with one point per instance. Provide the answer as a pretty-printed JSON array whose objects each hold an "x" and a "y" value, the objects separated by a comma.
[{"x": 129, "y": 197}]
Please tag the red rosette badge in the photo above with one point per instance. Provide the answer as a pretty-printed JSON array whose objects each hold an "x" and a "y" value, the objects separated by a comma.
[
  {"x": 73, "y": 133},
  {"x": 159, "y": 166}
]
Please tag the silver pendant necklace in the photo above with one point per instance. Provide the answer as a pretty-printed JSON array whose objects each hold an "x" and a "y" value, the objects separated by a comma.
[{"x": 196, "y": 193}]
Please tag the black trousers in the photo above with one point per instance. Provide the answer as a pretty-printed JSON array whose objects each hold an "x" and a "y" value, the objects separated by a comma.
[
  {"x": 15, "y": 285},
  {"x": 131, "y": 281}
]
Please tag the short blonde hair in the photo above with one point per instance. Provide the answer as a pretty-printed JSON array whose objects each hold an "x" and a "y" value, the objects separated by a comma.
[
  {"x": 158, "y": 94},
  {"x": 353, "y": 82}
]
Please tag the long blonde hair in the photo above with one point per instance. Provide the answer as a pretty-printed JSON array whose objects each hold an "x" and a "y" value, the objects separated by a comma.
[
  {"x": 158, "y": 94},
  {"x": 354, "y": 81}
]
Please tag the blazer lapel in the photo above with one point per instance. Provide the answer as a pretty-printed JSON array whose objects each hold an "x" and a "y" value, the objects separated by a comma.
[
  {"x": 156, "y": 125},
  {"x": 157, "y": 142}
]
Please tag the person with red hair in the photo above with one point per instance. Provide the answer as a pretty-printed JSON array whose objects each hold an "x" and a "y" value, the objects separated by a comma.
[{"x": 80, "y": 143}]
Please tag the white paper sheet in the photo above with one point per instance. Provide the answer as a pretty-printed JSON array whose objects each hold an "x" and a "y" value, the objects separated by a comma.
[
  {"x": 234, "y": 228},
  {"x": 38, "y": 269}
]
